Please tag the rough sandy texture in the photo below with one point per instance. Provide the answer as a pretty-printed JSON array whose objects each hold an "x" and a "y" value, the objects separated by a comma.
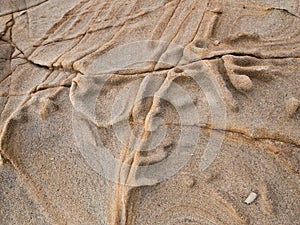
[{"x": 211, "y": 87}]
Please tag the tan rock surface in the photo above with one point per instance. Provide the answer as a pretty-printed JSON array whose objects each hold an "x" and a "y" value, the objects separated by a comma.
[{"x": 149, "y": 112}]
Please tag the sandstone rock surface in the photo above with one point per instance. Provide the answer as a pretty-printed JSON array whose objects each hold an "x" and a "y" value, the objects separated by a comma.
[{"x": 149, "y": 112}]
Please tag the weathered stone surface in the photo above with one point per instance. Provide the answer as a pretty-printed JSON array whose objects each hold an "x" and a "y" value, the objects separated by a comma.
[
  {"x": 17, "y": 207},
  {"x": 149, "y": 112}
]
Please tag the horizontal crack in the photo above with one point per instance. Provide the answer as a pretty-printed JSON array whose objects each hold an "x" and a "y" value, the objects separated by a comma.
[
  {"x": 258, "y": 138},
  {"x": 23, "y": 9},
  {"x": 53, "y": 68},
  {"x": 217, "y": 56},
  {"x": 236, "y": 53},
  {"x": 36, "y": 90},
  {"x": 285, "y": 11},
  {"x": 209, "y": 127}
]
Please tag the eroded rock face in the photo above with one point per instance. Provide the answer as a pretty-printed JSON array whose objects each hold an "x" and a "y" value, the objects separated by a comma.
[{"x": 149, "y": 112}]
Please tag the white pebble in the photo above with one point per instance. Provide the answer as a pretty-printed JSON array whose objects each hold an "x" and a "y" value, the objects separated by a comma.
[
  {"x": 189, "y": 181},
  {"x": 291, "y": 106},
  {"x": 251, "y": 198}
]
